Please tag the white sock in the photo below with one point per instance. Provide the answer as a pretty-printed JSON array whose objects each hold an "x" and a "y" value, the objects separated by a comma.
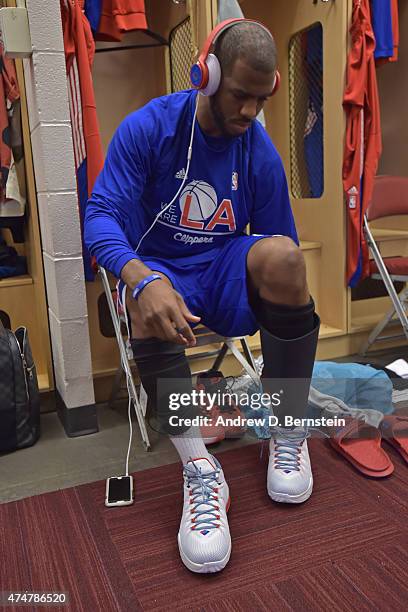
[{"x": 190, "y": 445}]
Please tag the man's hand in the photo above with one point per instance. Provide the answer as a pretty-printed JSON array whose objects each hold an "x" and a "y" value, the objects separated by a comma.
[
  {"x": 159, "y": 310},
  {"x": 164, "y": 311}
]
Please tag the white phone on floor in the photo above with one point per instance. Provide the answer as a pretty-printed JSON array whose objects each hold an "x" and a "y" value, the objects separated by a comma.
[{"x": 119, "y": 491}]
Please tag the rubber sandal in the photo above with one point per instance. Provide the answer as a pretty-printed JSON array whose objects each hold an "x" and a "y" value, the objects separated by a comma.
[
  {"x": 394, "y": 429},
  {"x": 363, "y": 452}
]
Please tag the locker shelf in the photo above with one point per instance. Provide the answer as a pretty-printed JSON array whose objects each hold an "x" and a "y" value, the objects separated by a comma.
[{"x": 16, "y": 281}]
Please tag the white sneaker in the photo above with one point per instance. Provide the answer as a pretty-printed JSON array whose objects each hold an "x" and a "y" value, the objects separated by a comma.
[
  {"x": 290, "y": 478},
  {"x": 204, "y": 539}
]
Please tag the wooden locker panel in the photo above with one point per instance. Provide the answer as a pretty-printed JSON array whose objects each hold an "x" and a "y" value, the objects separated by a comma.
[
  {"x": 104, "y": 349},
  {"x": 318, "y": 219},
  {"x": 23, "y": 298},
  {"x": 18, "y": 298}
]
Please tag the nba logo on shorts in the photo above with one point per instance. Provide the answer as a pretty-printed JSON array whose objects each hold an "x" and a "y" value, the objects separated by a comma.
[{"x": 234, "y": 184}]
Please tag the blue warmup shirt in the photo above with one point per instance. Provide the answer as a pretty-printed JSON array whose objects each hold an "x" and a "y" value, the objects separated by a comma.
[{"x": 231, "y": 182}]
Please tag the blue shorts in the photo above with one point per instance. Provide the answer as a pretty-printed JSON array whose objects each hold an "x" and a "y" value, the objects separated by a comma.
[{"x": 214, "y": 290}]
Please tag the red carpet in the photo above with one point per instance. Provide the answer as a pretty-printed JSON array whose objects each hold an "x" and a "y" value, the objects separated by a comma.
[{"x": 344, "y": 549}]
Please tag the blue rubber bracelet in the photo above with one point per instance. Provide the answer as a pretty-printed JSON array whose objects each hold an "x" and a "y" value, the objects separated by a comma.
[{"x": 143, "y": 283}]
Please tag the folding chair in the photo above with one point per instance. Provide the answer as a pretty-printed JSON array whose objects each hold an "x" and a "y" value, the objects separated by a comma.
[
  {"x": 204, "y": 336},
  {"x": 390, "y": 197}
]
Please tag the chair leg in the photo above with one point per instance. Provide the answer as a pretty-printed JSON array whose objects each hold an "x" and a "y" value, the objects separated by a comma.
[
  {"x": 404, "y": 302},
  {"x": 248, "y": 354},
  {"x": 398, "y": 301},
  {"x": 135, "y": 400},
  {"x": 125, "y": 360},
  {"x": 377, "y": 331},
  {"x": 250, "y": 369},
  {"x": 400, "y": 312},
  {"x": 248, "y": 363},
  {"x": 220, "y": 357}
]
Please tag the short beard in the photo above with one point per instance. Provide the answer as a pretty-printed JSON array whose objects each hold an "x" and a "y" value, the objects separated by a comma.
[{"x": 218, "y": 116}]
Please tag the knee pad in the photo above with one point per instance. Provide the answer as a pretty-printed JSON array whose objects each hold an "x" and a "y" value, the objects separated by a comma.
[{"x": 163, "y": 370}]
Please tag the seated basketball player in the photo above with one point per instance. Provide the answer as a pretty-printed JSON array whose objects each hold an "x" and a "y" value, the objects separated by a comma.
[{"x": 173, "y": 230}]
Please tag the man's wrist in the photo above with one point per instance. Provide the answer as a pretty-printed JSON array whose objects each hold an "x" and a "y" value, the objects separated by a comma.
[
  {"x": 133, "y": 272},
  {"x": 143, "y": 283}
]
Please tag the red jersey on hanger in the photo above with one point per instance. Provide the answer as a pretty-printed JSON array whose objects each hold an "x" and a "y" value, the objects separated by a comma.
[
  {"x": 9, "y": 93},
  {"x": 119, "y": 16},
  {"x": 395, "y": 29},
  {"x": 363, "y": 137},
  {"x": 79, "y": 53}
]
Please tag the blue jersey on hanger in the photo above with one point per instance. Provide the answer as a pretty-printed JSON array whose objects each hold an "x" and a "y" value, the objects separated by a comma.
[
  {"x": 382, "y": 27},
  {"x": 231, "y": 182},
  {"x": 93, "y": 12}
]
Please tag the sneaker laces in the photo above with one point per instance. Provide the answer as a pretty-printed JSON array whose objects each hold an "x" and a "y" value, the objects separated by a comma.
[
  {"x": 287, "y": 449},
  {"x": 204, "y": 492}
]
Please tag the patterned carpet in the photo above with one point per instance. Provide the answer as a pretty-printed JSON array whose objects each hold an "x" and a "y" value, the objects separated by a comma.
[{"x": 344, "y": 549}]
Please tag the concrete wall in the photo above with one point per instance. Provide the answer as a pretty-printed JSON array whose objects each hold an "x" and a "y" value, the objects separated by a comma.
[{"x": 50, "y": 128}]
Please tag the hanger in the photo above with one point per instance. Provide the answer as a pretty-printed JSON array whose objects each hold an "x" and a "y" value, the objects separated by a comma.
[{"x": 160, "y": 42}]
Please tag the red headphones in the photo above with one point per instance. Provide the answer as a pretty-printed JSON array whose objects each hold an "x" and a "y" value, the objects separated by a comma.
[{"x": 205, "y": 74}]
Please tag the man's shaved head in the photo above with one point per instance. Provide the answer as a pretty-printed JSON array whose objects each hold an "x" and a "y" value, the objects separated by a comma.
[
  {"x": 247, "y": 55},
  {"x": 249, "y": 42}
]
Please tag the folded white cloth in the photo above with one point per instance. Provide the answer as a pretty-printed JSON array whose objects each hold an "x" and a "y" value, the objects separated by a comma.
[
  {"x": 400, "y": 367},
  {"x": 332, "y": 406}
]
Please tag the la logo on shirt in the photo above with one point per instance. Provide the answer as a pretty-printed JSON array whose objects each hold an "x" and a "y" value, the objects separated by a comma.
[{"x": 200, "y": 209}]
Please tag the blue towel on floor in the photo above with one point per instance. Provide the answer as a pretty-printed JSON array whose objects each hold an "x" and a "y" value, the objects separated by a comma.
[{"x": 358, "y": 386}]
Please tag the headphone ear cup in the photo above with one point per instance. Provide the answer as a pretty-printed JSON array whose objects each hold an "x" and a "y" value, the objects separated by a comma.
[
  {"x": 214, "y": 75},
  {"x": 277, "y": 82},
  {"x": 198, "y": 74}
]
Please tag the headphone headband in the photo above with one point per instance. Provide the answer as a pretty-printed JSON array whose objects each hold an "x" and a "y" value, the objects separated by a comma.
[
  {"x": 205, "y": 74},
  {"x": 219, "y": 29}
]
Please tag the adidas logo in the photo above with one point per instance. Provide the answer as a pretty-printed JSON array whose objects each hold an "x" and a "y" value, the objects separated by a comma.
[
  {"x": 181, "y": 174},
  {"x": 353, "y": 190}
]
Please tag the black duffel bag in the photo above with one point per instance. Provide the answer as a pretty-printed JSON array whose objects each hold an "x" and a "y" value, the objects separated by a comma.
[{"x": 19, "y": 394}]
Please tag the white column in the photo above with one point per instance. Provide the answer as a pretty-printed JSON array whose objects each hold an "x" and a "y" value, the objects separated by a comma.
[{"x": 50, "y": 127}]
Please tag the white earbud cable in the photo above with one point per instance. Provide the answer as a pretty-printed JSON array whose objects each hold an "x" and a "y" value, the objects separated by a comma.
[
  {"x": 189, "y": 154},
  {"x": 123, "y": 296}
]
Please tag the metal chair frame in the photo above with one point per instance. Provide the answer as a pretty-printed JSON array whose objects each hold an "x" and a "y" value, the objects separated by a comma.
[
  {"x": 399, "y": 301},
  {"x": 204, "y": 337}
]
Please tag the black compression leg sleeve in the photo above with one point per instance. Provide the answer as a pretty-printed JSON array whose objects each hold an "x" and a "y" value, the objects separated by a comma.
[
  {"x": 289, "y": 336},
  {"x": 163, "y": 370}
]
